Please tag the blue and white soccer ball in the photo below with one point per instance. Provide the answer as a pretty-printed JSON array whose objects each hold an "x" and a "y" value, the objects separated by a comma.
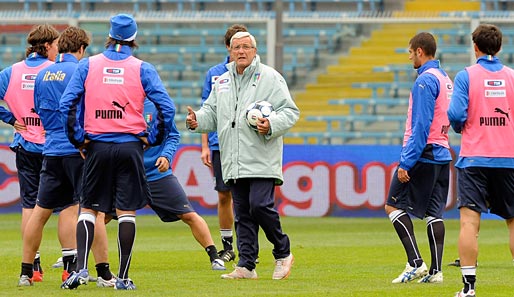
[{"x": 256, "y": 110}]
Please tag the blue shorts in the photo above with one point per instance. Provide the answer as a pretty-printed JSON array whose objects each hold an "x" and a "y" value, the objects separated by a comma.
[
  {"x": 425, "y": 194},
  {"x": 482, "y": 189},
  {"x": 220, "y": 186},
  {"x": 114, "y": 177},
  {"x": 61, "y": 181},
  {"x": 169, "y": 199},
  {"x": 28, "y": 165}
]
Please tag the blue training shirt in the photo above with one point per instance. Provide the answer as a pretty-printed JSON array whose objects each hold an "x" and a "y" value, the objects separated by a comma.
[
  {"x": 457, "y": 114},
  {"x": 49, "y": 86},
  {"x": 166, "y": 149},
  {"x": 424, "y": 94},
  {"x": 212, "y": 74}
]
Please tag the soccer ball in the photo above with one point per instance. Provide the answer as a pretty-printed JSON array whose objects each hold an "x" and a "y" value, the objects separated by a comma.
[{"x": 256, "y": 110}]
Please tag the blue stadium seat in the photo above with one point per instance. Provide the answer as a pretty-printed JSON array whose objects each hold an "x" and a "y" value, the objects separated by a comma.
[
  {"x": 343, "y": 121},
  {"x": 367, "y": 105},
  {"x": 497, "y": 5},
  {"x": 388, "y": 88},
  {"x": 181, "y": 103},
  {"x": 311, "y": 5},
  {"x": 462, "y": 35}
]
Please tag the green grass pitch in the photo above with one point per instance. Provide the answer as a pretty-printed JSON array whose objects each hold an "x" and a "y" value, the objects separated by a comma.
[{"x": 333, "y": 257}]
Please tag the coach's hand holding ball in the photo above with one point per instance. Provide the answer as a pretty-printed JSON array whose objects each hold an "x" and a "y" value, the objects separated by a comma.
[
  {"x": 263, "y": 126},
  {"x": 257, "y": 114}
]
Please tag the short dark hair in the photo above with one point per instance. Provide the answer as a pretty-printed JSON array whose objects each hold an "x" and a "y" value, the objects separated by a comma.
[
  {"x": 233, "y": 30},
  {"x": 71, "y": 39},
  {"x": 425, "y": 41},
  {"x": 488, "y": 38}
]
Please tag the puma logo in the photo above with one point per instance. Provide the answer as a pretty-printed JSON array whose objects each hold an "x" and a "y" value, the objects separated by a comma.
[
  {"x": 498, "y": 110},
  {"x": 116, "y": 104}
]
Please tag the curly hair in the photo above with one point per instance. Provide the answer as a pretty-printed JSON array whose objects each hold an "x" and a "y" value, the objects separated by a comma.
[{"x": 71, "y": 39}]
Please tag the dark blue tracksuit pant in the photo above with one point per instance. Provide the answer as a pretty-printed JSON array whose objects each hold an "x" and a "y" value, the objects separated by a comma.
[{"x": 254, "y": 200}]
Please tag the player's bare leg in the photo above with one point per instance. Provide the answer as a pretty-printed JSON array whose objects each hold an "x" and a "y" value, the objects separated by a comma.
[
  {"x": 32, "y": 233},
  {"x": 226, "y": 222},
  {"x": 202, "y": 234},
  {"x": 199, "y": 228},
  {"x": 510, "y": 225},
  {"x": 468, "y": 246},
  {"x": 67, "y": 234},
  {"x": 100, "y": 250},
  {"x": 25, "y": 216},
  {"x": 468, "y": 236}
]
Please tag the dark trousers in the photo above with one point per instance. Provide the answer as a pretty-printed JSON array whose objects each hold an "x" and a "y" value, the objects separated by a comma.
[{"x": 254, "y": 200}]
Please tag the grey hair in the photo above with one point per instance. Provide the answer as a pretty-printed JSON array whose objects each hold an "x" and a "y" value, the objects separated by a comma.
[{"x": 241, "y": 35}]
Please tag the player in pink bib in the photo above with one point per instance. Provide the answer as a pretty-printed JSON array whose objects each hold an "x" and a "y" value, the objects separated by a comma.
[
  {"x": 112, "y": 87},
  {"x": 419, "y": 186},
  {"x": 17, "y": 89},
  {"x": 480, "y": 109}
]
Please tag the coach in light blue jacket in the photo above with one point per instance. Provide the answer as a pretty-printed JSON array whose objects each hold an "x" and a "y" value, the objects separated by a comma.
[
  {"x": 244, "y": 152},
  {"x": 251, "y": 161}
]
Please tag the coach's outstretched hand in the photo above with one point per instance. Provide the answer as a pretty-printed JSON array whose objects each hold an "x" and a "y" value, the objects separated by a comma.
[{"x": 191, "y": 122}]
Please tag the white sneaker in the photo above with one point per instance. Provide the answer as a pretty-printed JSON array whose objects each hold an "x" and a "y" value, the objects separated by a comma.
[
  {"x": 240, "y": 273},
  {"x": 283, "y": 267},
  {"x": 432, "y": 278},
  {"x": 25, "y": 281},
  {"x": 218, "y": 264},
  {"x": 410, "y": 273},
  {"x": 58, "y": 263},
  {"x": 470, "y": 293},
  {"x": 102, "y": 283}
]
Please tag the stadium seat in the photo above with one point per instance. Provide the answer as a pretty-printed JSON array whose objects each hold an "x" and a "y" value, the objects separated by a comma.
[
  {"x": 496, "y": 5},
  {"x": 350, "y": 122},
  {"x": 370, "y": 106}
]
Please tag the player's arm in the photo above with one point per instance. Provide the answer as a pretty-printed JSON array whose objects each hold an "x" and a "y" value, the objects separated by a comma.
[
  {"x": 5, "y": 115},
  {"x": 37, "y": 95},
  {"x": 38, "y": 98},
  {"x": 70, "y": 103},
  {"x": 424, "y": 94},
  {"x": 157, "y": 93},
  {"x": 206, "y": 151},
  {"x": 171, "y": 142},
  {"x": 206, "y": 91},
  {"x": 458, "y": 108}
]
